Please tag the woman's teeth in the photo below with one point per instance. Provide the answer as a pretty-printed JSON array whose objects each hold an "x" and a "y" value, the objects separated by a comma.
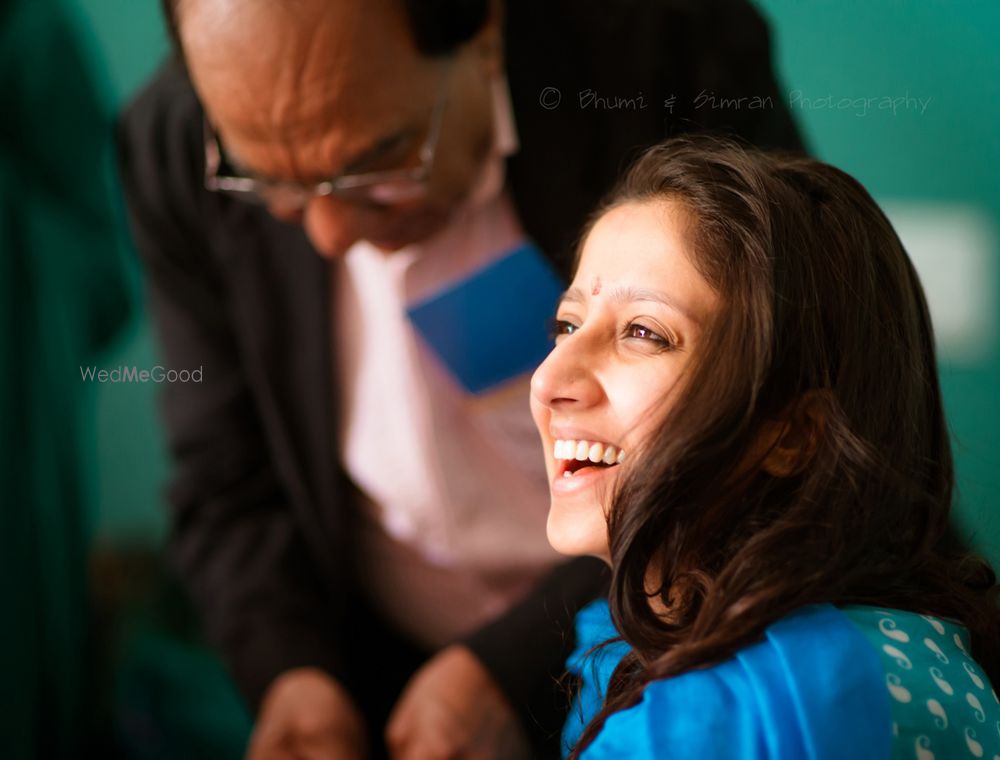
[{"x": 582, "y": 451}]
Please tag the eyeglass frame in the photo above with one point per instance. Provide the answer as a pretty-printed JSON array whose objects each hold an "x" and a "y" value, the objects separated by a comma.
[{"x": 249, "y": 188}]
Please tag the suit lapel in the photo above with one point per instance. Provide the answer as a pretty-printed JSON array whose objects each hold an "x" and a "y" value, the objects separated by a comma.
[{"x": 283, "y": 295}]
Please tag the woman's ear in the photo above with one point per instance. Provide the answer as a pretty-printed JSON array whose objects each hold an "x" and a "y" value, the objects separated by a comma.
[{"x": 791, "y": 442}]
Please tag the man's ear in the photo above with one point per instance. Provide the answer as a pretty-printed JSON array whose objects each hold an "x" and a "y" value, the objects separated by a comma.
[
  {"x": 488, "y": 42},
  {"x": 790, "y": 443}
]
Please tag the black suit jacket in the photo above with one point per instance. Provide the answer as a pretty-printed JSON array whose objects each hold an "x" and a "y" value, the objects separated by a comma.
[{"x": 261, "y": 510}]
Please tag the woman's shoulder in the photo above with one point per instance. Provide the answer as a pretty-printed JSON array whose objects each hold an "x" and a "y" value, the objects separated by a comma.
[
  {"x": 788, "y": 695},
  {"x": 820, "y": 683}
]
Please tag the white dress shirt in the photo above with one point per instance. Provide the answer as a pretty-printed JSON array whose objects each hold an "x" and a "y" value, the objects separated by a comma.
[{"x": 455, "y": 484}]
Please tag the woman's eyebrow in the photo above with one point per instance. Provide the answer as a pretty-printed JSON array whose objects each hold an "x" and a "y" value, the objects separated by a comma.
[
  {"x": 632, "y": 294},
  {"x": 572, "y": 295}
]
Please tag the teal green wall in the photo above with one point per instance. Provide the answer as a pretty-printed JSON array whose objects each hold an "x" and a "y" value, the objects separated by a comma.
[
  {"x": 949, "y": 153},
  {"x": 132, "y": 463}
]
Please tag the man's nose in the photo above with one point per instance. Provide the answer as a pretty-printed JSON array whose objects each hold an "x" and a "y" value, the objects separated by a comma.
[
  {"x": 331, "y": 225},
  {"x": 287, "y": 215},
  {"x": 567, "y": 379}
]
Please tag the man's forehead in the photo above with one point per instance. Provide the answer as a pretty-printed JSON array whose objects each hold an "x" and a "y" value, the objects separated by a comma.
[
  {"x": 269, "y": 40},
  {"x": 348, "y": 14},
  {"x": 292, "y": 71}
]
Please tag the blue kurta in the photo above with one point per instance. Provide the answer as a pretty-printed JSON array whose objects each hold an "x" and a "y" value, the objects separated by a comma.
[{"x": 824, "y": 682}]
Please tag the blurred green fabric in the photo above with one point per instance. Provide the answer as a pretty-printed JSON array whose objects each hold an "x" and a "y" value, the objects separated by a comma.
[
  {"x": 63, "y": 294},
  {"x": 99, "y": 654}
]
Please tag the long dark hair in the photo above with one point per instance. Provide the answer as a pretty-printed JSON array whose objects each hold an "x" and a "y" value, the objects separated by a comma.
[{"x": 820, "y": 303}]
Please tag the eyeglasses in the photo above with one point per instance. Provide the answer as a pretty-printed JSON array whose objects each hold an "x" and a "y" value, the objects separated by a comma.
[{"x": 384, "y": 187}]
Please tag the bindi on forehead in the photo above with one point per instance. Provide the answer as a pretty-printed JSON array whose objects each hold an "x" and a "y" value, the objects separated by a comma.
[{"x": 595, "y": 286}]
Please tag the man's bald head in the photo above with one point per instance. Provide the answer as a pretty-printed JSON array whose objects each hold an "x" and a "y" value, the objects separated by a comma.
[
  {"x": 437, "y": 27},
  {"x": 280, "y": 70},
  {"x": 306, "y": 90}
]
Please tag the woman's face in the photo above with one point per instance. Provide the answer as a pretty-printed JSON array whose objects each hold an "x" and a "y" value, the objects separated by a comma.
[{"x": 627, "y": 328}]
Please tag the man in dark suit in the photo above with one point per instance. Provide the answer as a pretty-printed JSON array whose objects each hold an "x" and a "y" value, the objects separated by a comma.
[{"x": 355, "y": 508}]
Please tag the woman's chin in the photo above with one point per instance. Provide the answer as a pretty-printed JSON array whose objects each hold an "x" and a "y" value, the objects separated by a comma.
[{"x": 577, "y": 533}]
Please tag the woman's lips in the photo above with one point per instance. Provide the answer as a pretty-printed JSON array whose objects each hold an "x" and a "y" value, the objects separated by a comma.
[{"x": 585, "y": 477}]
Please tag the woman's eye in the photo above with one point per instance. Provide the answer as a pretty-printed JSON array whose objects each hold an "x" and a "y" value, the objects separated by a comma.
[
  {"x": 641, "y": 332},
  {"x": 561, "y": 327}
]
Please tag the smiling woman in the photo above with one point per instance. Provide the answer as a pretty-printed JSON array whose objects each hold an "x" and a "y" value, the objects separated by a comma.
[
  {"x": 742, "y": 417},
  {"x": 620, "y": 347}
]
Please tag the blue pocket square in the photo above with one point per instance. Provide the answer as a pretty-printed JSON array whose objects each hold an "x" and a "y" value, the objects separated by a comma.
[{"x": 493, "y": 325}]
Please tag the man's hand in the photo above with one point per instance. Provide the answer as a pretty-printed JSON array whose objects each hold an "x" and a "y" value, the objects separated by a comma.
[
  {"x": 306, "y": 715},
  {"x": 452, "y": 708}
]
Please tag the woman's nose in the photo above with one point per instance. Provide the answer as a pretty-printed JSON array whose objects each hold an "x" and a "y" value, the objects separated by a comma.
[{"x": 566, "y": 378}]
